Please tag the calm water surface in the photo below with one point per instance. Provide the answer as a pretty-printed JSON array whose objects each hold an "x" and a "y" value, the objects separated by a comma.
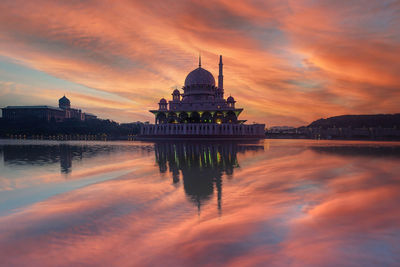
[{"x": 276, "y": 203}]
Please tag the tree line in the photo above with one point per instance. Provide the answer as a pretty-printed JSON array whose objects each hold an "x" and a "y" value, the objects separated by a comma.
[{"x": 34, "y": 126}]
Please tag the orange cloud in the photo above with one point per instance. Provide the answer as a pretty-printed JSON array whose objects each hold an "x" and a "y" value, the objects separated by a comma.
[{"x": 286, "y": 63}]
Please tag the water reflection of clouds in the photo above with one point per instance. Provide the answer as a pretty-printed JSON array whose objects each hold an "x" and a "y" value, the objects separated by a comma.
[
  {"x": 42, "y": 155},
  {"x": 363, "y": 151},
  {"x": 284, "y": 206}
]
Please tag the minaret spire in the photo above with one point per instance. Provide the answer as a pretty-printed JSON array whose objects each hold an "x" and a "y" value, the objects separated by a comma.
[
  {"x": 220, "y": 76},
  {"x": 199, "y": 59}
]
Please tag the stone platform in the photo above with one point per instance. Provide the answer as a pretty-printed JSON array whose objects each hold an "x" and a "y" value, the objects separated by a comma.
[{"x": 202, "y": 131}]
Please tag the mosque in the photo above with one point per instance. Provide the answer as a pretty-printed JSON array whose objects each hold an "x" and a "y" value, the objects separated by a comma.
[{"x": 201, "y": 111}]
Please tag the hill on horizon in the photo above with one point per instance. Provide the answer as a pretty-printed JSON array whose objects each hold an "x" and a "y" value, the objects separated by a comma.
[{"x": 359, "y": 121}]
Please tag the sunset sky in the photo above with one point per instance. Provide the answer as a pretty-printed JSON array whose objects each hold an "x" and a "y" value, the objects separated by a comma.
[{"x": 286, "y": 62}]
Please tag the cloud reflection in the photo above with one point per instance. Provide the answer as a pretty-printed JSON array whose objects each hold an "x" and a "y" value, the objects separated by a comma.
[{"x": 280, "y": 208}]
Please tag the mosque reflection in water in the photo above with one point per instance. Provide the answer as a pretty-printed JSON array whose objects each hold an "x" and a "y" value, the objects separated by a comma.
[{"x": 201, "y": 166}]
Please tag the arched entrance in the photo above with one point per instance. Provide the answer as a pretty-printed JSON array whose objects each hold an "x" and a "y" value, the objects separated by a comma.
[
  {"x": 206, "y": 117},
  {"x": 195, "y": 117},
  {"x": 172, "y": 118},
  {"x": 184, "y": 117},
  {"x": 161, "y": 118},
  {"x": 219, "y": 117},
  {"x": 231, "y": 117}
]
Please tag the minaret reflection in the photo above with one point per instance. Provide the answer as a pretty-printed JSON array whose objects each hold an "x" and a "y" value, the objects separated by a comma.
[{"x": 202, "y": 166}]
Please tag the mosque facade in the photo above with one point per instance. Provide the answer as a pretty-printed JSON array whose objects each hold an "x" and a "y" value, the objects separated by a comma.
[{"x": 200, "y": 111}]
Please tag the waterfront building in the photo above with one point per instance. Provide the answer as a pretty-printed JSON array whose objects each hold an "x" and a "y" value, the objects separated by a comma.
[
  {"x": 90, "y": 116},
  {"x": 47, "y": 113},
  {"x": 201, "y": 111}
]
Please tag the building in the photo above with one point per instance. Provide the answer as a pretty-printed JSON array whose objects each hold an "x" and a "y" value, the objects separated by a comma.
[
  {"x": 90, "y": 116},
  {"x": 201, "y": 111},
  {"x": 47, "y": 113},
  {"x": 70, "y": 113}
]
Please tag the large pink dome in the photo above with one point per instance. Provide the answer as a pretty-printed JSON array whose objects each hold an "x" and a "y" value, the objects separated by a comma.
[{"x": 200, "y": 76}]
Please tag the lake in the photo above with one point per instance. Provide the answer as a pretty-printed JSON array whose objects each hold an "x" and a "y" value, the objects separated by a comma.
[{"x": 273, "y": 203}]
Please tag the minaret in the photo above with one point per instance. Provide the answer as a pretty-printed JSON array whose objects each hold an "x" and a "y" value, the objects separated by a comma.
[{"x": 221, "y": 76}]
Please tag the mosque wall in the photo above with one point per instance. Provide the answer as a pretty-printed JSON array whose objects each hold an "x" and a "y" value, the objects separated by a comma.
[{"x": 202, "y": 129}]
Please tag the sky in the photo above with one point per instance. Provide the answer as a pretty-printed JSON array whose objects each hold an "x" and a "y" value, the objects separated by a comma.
[{"x": 286, "y": 62}]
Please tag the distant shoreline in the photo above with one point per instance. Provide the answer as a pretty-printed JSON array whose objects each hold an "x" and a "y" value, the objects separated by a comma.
[
  {"x": 331, "y": 139},
  {"x": 131, "y": 139}
]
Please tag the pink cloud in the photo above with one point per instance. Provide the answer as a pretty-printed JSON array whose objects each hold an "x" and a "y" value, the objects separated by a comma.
[{"x": 286, "y": 63}]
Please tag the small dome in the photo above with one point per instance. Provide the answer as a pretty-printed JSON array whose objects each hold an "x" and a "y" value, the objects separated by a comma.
[
  {"x": 64, "y": 100},
  {"x": 176, "y": 92},
  {"x": 163, "y": 101},
  {"x": 230, "y": 99},
  {"x": 200, "y": 76}
]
